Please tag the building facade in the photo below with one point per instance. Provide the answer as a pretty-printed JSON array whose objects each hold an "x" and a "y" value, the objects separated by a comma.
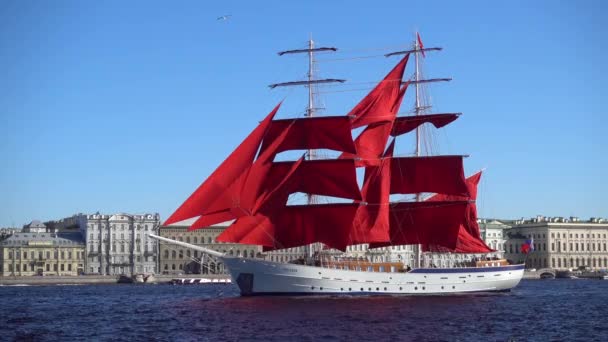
[
  {"x": 180, "y": 260},
  {"x": 493, "y": 234},
  {"x": 116, "y": 244},
  {"x": 560, "y": 243},
  {"x": 42, "y": 253}
]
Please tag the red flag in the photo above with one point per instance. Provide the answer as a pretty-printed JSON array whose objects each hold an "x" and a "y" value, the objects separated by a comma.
[{"x": 421, "y": 46}]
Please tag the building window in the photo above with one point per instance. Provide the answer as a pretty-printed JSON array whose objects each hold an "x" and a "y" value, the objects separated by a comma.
[
  {"x": 48, "y": 267},
  {"x": 62, "y": 267},
  {"x": 552, "y": 247},
  {"x": 10, "y": 254},
  {"x": 166, "y": 254},
  {"x": 69, "y": 267},
  {"x": 173, "y": 255}
]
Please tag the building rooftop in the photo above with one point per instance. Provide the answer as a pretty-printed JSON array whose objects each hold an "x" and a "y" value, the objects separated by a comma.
[{"x": 44, "y": 239}]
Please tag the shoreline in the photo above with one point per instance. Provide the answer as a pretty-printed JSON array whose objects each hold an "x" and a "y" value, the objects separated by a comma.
[{"x": 94, "y": 279}]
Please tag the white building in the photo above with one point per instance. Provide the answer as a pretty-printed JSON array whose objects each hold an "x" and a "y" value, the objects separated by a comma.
[
  {"x": 117, "y": 244},
  {"x": 493, "y": 234},
  {"x": 560, "y": 243}
]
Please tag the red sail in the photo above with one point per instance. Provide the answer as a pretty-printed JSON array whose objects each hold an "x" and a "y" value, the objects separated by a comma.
[
  {"x": 330, "y": 132},
  {"x": 371, "y": 224},
  {"x": 435, "y": 223},
  {"x": 327, "y": 177},
  {"x": 469, "y": 237},
  {"x": 440, "y": 174},
  {"x": 405, "y": 124},
  {"x": 233, "y": 167},
  {"x": 371, "y": 142},
  {"x": 377, "y": 106},
  {"x": 211, "y": 219},
  {"x": 295, "y": 226}
]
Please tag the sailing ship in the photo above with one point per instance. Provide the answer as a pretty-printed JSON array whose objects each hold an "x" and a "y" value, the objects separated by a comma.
[{"x": 252, "y": 188}]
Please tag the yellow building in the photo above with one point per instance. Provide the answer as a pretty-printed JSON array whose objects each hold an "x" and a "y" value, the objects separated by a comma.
[{"x": 38, "y": 253}]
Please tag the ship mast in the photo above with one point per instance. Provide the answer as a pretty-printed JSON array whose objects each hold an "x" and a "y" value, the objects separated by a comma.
[
  {"x": 310, "y": 83},
  {"x": 419, "y": 108},
  {"x": 418, "y": 248}
]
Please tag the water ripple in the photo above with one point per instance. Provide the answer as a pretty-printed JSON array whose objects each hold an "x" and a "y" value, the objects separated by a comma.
[{"x": 553, "y": 310}]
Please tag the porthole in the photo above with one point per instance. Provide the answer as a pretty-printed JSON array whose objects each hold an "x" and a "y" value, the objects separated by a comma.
[
  {"x": 341, "y": 289},
  {"x": 385, "y": 289},
  {"x": 377, "y": 289},
  {"x": 361, "y": 289},
  {"x": 424, "y": 288},
  {"x": 416, "y": 288},
  {"x": 349, "y": 289},
  {"x": 370, "y": 289},
  {"x": 401, "y": 289},
  {"x": 453, "y": 287},
  {"x": 321, "y": 288},
  {"x": 312, "y": 287}
]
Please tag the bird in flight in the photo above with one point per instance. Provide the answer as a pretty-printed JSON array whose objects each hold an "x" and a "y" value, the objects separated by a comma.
[{"x": 224, "y": 17}]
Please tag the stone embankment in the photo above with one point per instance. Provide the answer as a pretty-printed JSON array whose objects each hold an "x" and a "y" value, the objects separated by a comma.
[{"x": 92, "y": 279}]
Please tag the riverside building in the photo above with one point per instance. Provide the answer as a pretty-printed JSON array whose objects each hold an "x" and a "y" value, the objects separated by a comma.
[
  {"x": 116, "y": 244},
  {"x": 560, "y": 243},
  {"x": 37, "y": 251},
  {"x": 179, "y": 260}
]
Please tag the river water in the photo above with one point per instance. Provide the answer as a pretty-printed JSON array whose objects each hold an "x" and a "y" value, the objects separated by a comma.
[{"x": 537, "y": 310}]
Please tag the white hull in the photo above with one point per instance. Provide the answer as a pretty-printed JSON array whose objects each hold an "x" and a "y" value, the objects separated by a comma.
[{"x": 259, "y": 277}]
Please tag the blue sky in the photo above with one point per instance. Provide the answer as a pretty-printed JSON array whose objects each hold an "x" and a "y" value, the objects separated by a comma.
[{"x": 114, "y": 106}]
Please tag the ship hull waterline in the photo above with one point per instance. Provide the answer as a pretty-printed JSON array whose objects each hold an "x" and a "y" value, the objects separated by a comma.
[{"x": 261, "y": 277}]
